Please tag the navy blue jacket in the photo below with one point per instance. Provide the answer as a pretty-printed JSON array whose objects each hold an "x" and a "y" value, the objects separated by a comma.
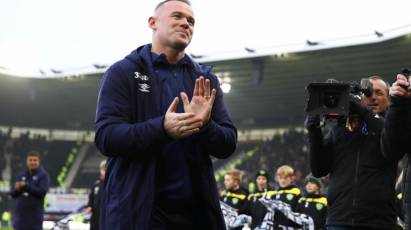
[
  {"x": 129, "y": 130},
  {"x": 30, "y": 200}
]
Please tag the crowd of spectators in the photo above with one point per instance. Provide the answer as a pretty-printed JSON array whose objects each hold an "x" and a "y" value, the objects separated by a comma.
[{"x": 288, "y": 148}]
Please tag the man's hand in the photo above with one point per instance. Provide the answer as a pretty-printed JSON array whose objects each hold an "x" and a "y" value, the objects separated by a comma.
[
  {"x": 202, "y": 102},
  {"x": 356, "y": 104},
  {"x": 399, "y": 88},
  {"x": 19, "y": 185},
  {"x": 178, "y": 125}
]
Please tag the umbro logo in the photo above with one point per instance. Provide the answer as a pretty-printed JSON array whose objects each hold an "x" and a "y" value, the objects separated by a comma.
[
  {"x": 145, "y": 88},
  {"x": 142, "y": 87}
]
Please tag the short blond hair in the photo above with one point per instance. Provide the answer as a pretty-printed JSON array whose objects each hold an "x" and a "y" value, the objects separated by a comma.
[{"x": 285, "y": 171}]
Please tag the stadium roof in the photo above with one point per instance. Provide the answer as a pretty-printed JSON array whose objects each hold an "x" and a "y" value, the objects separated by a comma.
[{"x": 266, "y": 91}]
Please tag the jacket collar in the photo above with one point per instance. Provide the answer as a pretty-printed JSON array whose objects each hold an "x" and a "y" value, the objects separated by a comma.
[
  {"x": 159, "y": 60},
  {"x": 35, "y": 171}
]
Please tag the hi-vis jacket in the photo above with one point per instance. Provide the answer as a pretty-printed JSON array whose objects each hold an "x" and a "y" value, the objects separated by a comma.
[
  {"x": 315, "y": 206},
  {"x": 237, "y": 199},
  {"x": 290, "y": 195}
]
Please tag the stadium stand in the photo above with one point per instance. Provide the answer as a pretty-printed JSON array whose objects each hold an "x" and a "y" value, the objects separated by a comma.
[
  {"x": 288, "y": 147},
  {"x": 278, "y": 101},
  {"x": 53, "y": 153}
]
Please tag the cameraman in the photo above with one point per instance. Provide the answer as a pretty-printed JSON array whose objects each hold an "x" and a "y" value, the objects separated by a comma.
[
  {"x": 396, "y": 135},
  {"x": 361, "y": 191}
]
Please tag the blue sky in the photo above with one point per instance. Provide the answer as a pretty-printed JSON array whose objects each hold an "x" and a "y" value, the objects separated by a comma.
[{"x": 71, "y": 35}]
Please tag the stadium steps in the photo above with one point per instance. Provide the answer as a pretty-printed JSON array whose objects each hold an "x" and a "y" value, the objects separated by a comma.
[
  {"x": 54, "y": 159},
  {"x": 89, "y": 171},
  {"x": 75, "y": 167}
]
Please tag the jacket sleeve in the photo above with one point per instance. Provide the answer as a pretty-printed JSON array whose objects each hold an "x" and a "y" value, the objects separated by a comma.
[
  {"x": 321, "y": 151},
  {"x": 38, "y": 190},
  {"x": 219, "y": 135},
  {"x": 13, "y": 192},
  {"x": 116, "y": 135},
  {"x": 395, "y": 135}
]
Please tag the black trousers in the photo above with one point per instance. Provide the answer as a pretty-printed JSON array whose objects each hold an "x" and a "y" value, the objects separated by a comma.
[{"x": 174, "y": 217}]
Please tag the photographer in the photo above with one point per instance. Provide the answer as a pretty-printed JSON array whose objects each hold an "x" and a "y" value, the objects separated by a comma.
[
  {"x": 361, "y": 192},
  {"x": 396, "y": 134}
]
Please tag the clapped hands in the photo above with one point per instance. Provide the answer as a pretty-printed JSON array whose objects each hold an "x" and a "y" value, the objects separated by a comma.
[
  {"x": 203, "y": 99},
  {"x": 19, "y": 185},
  {"x": 197, "y": 112}
]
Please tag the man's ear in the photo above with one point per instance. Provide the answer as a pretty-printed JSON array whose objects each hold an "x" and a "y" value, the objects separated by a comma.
[{"x": 152, "y": 23}]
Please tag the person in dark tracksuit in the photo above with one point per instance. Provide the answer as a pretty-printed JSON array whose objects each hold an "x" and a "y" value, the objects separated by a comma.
[
  {"x": 94, "y": 198},
  {"x": 234, "y": 195},
  {"x": 396, "y": 137},
  {"x": 160, "y": 116},
  {"x": 361, "y": 191},
  {"x": 313, "y": 203},
  {"x": 286, "y": 192},
  {"x": 258, "y": 210},
  {"x": 29, "y": 191}
]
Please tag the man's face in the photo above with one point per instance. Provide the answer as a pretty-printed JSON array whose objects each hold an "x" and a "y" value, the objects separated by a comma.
[
  {"x": 229, "y": 182},
  {"x": 174, "y": 24},
  {"x": 261, "y": 183},
  {"x": 284, "y": 181},
  {"x": 379, "y": 100},
  {"x": 33, "y": 163},
  {"x": 311, "y": 187}
]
